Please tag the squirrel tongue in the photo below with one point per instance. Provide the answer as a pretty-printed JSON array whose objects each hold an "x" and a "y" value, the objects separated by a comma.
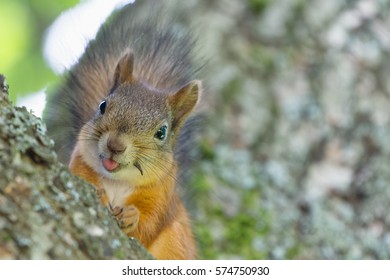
[{"x": 109, "y": 164}]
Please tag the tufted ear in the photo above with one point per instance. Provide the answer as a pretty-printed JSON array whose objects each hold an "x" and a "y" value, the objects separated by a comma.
[
  {"x": 124, "y": 69},
  {"x": 183, "y": 102}
]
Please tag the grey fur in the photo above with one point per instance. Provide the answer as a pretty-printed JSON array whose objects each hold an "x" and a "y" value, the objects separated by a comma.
[{"x": 163, "y": 58}]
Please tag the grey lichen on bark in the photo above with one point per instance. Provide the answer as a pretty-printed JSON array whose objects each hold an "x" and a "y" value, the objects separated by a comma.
[{"x": 46, "y": 212}]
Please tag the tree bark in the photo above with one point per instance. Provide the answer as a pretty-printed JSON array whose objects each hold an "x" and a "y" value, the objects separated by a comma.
[{"x": 46, "y": 212}]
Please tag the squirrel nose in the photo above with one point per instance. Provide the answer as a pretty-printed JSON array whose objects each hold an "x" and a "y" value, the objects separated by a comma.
[{"x": 115, "y": 146}]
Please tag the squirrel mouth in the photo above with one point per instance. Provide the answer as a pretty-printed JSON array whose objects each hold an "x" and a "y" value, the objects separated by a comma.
[{"x": 110, "y": 165}]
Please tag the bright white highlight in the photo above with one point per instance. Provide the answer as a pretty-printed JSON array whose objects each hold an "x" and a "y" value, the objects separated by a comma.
[
  {"x": 34, "y": 102},
  {"x": 68, "y": 36}
]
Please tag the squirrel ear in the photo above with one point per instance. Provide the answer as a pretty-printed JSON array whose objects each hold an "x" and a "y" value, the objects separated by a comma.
[
  {"x": 124, "y": 69},
  {"x": 183, "y": 102}
]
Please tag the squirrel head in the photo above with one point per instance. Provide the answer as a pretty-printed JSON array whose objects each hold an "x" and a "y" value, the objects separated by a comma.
[{"x": 134, "y": 130}]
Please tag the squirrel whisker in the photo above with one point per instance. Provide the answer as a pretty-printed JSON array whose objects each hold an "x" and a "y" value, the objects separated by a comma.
[{"x": 132, "y": 92}]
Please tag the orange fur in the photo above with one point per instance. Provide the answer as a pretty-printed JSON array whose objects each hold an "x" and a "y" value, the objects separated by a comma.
[
  {"x": 127, "y": 101},
  {"x": 164, "y": 226},
  {"x": 79, "y": 168}
]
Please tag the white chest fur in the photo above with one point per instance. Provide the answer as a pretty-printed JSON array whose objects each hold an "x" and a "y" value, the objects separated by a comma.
[{"x": 117, "y": 192}]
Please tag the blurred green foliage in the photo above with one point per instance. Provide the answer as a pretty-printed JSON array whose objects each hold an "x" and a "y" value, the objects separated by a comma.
[
  {"x": 23, "y": 25},
  {"x": 258, "y": 6}
]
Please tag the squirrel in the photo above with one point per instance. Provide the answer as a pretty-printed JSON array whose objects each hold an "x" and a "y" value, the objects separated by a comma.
[{"x": 119, "y": 117}]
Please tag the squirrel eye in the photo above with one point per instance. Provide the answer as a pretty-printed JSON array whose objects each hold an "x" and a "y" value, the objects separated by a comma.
[
  {"x": 161, "y": 134},
  {"x": 102, "y": 106}
]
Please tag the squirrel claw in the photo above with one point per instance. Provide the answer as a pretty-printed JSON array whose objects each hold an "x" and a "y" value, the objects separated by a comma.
[
  {"x": 116, "y": 210},
  {"x": 101, "y": 194},
  {"x": 127, "y": 218}
]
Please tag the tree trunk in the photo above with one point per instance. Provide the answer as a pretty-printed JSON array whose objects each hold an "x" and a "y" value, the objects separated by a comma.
[{"x": 45, "y": 212}]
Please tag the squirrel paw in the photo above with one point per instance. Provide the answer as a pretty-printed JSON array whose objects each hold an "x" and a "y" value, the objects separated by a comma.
[
  {"x": 127, "y": 218},
  {"x": 101, "y": 194}
]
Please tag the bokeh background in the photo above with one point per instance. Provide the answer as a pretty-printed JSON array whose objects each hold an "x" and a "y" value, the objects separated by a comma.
[
  {"x": 294, "y": 157},
  {"x": 23, "y": 24}
]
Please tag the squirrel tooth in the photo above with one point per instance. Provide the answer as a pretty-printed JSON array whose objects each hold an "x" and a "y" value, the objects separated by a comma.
[{"x": 138, "y": 166}]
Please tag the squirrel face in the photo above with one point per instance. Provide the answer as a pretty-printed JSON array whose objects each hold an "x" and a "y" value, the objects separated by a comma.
[{"x": 132, "y": 135}]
